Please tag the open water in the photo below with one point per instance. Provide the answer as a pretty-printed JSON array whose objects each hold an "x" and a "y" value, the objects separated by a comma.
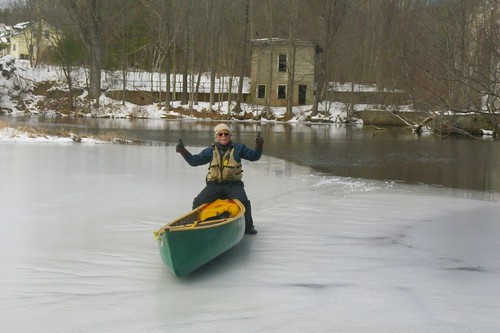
[{"x": 393, "y": 153}]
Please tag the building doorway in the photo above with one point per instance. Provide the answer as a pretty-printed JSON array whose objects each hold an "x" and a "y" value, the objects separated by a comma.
[{"x": 302, "y": 94}]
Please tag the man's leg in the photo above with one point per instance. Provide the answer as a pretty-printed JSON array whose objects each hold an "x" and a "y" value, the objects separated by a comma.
[
  {"x": 210, "y": 193},
  {"x": 237, "y": 191}
]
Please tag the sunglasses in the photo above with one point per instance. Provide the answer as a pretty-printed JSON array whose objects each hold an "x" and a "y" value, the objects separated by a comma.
[{"x": 223, "y": 134}]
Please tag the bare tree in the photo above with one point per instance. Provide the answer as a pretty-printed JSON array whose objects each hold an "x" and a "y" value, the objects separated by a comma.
[
  {"x": 331, "y": 15},
  {"x": 462, "y": 65},
  {"x": 69, "y": 51},
  {"x": 270, "y": 27},
  {"x": 86, "y": 15},
  {"x": 206, "y": 38},
  {"x": 292, "y": 53},
  {"x": 163, "y": 29},
  {"x": 186, "y": 52},
  {"x": 214, "y": 42},
  {"x": 244, "y": 57}
]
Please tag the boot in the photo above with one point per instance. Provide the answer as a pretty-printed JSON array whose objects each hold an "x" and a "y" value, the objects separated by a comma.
[{"x": 250, "y": 230}]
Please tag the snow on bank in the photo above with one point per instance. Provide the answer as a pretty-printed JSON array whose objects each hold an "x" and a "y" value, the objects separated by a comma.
[
  {"x": 9, "y": 134},
  {"x": 30, "y": 135}
]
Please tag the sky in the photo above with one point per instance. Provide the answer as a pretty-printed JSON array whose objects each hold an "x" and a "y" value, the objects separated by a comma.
[
  {"x": 4, "y": 3},
  {"x": 332, "y": 254}
]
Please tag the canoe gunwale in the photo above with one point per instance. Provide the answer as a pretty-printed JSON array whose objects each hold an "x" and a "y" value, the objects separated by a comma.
[
  {"x": 201, "y": 225},
  {"x": 174, "y": 225}
]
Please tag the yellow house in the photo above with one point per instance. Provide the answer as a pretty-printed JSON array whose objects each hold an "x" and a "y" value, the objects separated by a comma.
[{"x": 26, "y": 40}]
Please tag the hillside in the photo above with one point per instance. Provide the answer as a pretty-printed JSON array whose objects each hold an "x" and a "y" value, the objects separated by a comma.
[{"x": 42, "y": 91}]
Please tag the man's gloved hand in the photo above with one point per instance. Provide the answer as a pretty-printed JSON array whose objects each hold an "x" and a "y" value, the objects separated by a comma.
[
  {"x": 259, "y": 141},
  {"x": 179, "y": 148}
]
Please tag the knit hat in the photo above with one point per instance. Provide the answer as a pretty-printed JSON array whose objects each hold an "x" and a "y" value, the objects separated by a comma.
[{"x": 220, "y": 128}]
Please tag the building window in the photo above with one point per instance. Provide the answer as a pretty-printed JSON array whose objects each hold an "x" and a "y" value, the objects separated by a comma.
[
  {"x": 14, "y": 47},
  {"x": 261, "y": 91},
  {"x": 282, "y": 63},
  {"x": 281, "y": 91}
]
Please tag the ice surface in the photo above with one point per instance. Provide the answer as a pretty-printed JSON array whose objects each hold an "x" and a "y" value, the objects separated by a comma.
[{"x": 77, "y": 252}]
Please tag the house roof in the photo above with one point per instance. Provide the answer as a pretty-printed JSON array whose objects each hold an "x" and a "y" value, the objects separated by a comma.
[{"x": 6, "y": 31}]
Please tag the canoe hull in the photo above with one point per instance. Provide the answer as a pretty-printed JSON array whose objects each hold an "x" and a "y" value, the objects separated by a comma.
[{"x": 183, "y": 250}]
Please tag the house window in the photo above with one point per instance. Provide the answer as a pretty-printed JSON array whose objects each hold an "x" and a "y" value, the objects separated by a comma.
[
  {"x": 282, "y": 63},
  {"x": 261, "y": 91},
  {"x": 281, "y": 91},
  {"x": 14, "y": 47}
]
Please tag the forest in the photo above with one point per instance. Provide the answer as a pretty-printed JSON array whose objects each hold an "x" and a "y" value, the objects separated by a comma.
[{"x": 444, "y": 54}]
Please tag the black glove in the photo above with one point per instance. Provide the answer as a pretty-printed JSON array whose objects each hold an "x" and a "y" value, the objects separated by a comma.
[
  {"x": 259, "y": 141},
  {"x": 180, "y": 146}
]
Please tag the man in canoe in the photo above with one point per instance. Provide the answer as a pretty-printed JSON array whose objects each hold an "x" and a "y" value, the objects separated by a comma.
[{"x": 224, "y": 171}]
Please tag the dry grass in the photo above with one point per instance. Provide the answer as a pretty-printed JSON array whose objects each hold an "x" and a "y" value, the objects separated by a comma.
[
  {"x": 31, "y": 132},
  {"x": 115, "y": 137}
]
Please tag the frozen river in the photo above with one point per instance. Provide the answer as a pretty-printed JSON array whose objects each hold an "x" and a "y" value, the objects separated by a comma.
[{"x": 333, "y": 254}]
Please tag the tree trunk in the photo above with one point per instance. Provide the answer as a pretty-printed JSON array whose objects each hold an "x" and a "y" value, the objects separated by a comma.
[
  {"x": 244, "y": 59},
  {"x": 168, "y": 98},
  {"x": 291, "y": 79},
  {"x": 271, "y": 57},
  {"x": 331, "y": 15},
  {"x": 213, "y": 52},
  {"x": 292, "y": 52},
  {"x": 89, "y": 24},
  {"x": 186, "y": 52}
]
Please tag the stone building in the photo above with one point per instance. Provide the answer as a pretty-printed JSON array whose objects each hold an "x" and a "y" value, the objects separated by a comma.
[{"x": 272, "y": 61}]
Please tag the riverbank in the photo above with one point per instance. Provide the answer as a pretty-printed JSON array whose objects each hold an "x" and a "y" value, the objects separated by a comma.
[
  {"x": 477, "y": 124},
  {"x": 42, "y": 91},
  {"x": 38, "y": 135}
]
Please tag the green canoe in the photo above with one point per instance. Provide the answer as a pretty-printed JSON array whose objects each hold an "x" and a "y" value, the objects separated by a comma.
[{"x": 194, "y": 239}]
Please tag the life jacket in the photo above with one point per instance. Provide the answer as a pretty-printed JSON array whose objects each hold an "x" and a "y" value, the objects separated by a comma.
[{"x": 224, "y": 168}]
